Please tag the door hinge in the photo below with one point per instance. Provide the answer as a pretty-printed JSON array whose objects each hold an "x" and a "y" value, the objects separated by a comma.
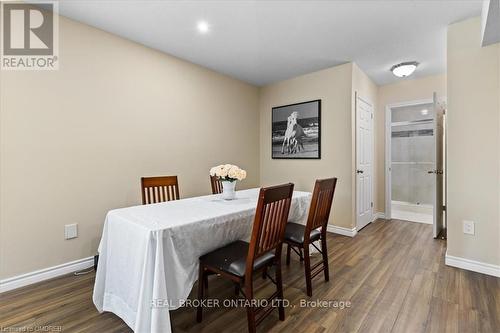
[
  {"x": 372, "y": 115},
  {"x": 444, "y": 208},
  {"x": 372, "y": 204}
]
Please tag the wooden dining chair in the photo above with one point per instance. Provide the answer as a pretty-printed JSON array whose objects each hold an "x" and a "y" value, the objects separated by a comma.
[
  {"x": 159, "y": 189},
  {"x": 216, "y": 185},
  {"x": 298, "y": 237},
  {"x": 239, "y": 260}
]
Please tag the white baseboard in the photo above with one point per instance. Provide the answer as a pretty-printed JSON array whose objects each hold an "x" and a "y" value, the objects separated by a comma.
[
  {"x": 378, "y": 215},
  {"x": 341, "y": 230},
  {"x": 472, "y": 265},
  {"x": 45, "y": 274}
]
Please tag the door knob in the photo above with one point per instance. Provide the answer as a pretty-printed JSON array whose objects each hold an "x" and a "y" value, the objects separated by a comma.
[
  {"x": 431, "y": 171},
  {"x": 437, "y": 172},
  {"x": 359, "y": 171}
]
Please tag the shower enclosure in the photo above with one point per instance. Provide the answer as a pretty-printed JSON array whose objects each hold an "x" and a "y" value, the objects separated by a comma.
[
  {"x": 412, "y": 156},
  {"x": 415, "y": 173}
]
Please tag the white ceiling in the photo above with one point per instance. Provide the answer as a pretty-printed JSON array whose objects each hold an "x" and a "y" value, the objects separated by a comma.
[{"x": 266, "y": 41}]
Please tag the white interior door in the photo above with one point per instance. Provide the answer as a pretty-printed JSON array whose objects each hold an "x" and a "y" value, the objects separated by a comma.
[
  {"x": 438, "y": 172},
  {"x": 364, "y": 162}
]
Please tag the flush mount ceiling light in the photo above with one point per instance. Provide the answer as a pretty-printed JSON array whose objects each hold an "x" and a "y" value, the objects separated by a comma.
[
  {"x": 404, "y": 69},
  {"x": 203, "y": 27}
]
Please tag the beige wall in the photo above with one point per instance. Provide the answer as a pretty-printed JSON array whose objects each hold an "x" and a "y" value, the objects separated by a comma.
[
  {"x": 473, "y": 143},
  {"x": 333, "y": 87},
  {"x": 364, "y": 86},
  {"x": 74, "y": 142},
  {"x": 402, "y": 91}
]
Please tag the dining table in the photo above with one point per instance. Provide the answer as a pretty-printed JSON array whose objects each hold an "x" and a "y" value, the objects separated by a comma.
[{"x": 148, "y": 254}]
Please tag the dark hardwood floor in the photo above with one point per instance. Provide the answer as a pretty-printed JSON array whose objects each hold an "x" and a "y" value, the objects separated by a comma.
[{"x": 392, "y": 272}]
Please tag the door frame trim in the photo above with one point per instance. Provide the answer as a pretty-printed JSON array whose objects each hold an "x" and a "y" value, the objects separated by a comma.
[
  {"x": 372, "y": 209},
  {"x": 387, "y": 161}
]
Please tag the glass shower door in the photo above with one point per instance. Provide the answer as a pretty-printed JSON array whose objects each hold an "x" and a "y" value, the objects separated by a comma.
[{"x": 412, "y": 156}]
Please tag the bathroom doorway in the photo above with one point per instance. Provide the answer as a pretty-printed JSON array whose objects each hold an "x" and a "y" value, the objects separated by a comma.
[{"x": 415, "y": 163}]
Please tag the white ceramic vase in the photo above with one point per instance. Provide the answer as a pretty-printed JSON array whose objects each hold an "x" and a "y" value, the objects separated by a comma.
[{"x": 228, "y": 192}]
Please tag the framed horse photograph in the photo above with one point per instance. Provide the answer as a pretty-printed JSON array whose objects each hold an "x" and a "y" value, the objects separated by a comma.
[{"x": 296, "y": 131}]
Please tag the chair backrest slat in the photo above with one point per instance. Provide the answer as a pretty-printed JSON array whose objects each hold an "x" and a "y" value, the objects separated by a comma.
[
  {"x": 321, "y": 204},
  {"x": 270, "y": 221},
  {"x": 216, "y": 185},
  {"x": 159, "y": 189}
]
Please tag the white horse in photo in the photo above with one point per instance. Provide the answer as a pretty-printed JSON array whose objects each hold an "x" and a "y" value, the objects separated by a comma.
[{"x": 293, "y": 135}]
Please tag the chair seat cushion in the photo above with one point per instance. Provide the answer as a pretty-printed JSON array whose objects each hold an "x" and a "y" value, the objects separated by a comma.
[
  {"x": 232, "y": 258},
  {"x": 295, "y": 232}
]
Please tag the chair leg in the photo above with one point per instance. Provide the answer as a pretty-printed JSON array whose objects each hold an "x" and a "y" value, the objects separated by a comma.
[
  {"x": 307, "y": 268},
  {"x": 288, "y": 254},
  {"x": 236, "y": 289},
  {"x": 264, "y": 273},
  {"x": 325, "y": 259},
  {"x": 252, "y": 327},
  {"x": 201, "y": 280},
  {"x": 279, "y": 287},
  {"x": 205, "y": 281},
  {"x": 301, "y": 255}
]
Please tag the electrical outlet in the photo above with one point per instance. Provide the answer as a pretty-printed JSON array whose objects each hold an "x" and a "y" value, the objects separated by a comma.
[
  {"x": 70, "y": 231},
  {"x": 469, "y": 227}
]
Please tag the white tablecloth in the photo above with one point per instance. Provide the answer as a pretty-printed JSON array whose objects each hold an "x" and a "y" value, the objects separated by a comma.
[{"x": 149, "y": 254}]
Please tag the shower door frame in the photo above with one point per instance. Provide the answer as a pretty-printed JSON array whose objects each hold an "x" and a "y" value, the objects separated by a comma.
[{"x": 388, "y": 154}]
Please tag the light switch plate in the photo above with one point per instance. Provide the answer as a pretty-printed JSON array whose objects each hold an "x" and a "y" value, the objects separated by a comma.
[
  {"x": 468, "y": 227},
  {"x": 70, "y": 231}
]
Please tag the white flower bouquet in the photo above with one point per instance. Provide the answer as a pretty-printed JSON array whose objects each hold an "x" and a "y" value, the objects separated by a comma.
[{"x": 228, "y": 172}]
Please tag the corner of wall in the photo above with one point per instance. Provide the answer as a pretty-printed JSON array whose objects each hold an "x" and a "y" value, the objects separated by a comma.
[{"x": 473, "y": 161}]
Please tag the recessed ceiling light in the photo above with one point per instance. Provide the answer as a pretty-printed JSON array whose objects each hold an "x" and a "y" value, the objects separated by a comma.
[
  {"x": 424, "y": 112},
  {"x": 404, "y": 69},
  {"x": 203, "y": 27}
]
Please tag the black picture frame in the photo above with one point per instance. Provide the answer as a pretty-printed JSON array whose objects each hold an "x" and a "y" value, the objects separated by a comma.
[{"x": 306, "y": 147}]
